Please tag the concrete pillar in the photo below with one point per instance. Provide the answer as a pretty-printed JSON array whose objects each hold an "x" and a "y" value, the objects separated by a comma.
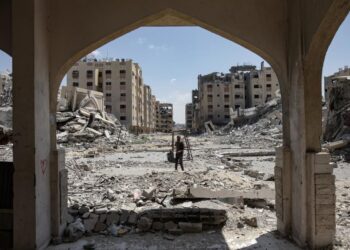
[
  {"x": 32, "y": 211},
  {"x": 304, "y": 179}
]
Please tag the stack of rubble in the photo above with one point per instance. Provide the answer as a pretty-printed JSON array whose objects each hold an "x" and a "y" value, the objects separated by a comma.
[
  {"x": 264, "y": 127},
  {"x": 84, "y": 221},
  {"x": 81, "y": 118},
  {"x": 6, "y": 97}
]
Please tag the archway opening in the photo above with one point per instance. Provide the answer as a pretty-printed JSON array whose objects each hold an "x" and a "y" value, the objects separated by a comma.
[
  {"x": 130, "y": 172},
  {"x": 336, "y": 82}
]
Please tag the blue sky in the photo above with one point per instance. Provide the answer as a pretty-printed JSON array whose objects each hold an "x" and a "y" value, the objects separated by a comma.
[{"x": 172, "y": 57}]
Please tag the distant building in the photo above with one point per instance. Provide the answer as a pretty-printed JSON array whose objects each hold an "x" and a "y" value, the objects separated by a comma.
[
  {"x": 332, "y": 80},
  {"x": 261, "y": 85},
  {"x": 121, "y": 81},
  {"x": 219, "y": 94},
  {"x": 189, "y": 116},
  {"x": 164, "y": 121}
]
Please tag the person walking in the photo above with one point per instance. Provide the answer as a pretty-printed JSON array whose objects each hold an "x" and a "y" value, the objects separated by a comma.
[{"x": 179, "y": 153}]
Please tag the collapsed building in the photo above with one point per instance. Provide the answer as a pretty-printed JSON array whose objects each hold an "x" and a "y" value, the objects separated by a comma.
[
  {"x": 81, "y": 116},
  {"x": 219, "y": 94},
  {"x": 164, "y": 121}
]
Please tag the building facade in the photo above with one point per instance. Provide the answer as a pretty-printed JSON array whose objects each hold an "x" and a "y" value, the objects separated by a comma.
[
  {"x": 220, "y": 94},
  {"x": 189, "y": 116},
  {"x": 332, "y": 80},
  {"x": 126, "y": 95},
  {"x": 261, "y": 85}
]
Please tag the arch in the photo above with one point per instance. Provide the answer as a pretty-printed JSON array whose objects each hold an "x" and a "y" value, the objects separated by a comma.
[
  {"x": 326, "y": 31},
  {"x": 6, "y": 26},
  {"x": 58, "y": 69}
]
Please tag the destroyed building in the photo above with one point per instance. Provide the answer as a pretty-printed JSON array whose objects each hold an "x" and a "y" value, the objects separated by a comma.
[
  {"x": 121, "y": 81},
  {"x": 164, "y": 122},
  {"x": 5, "y": 89},
  {"x": 331, "y": 80},
  {"x": 220, "y": 94}
]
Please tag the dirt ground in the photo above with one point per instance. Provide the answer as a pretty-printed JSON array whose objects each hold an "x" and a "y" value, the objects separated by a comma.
[
  {"x": 142, "y": 163},
  {"x": 96, "y": 170}
]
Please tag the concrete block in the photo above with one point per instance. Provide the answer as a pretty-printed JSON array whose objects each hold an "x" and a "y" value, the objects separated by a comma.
[
  {"x": 324, "y": 189},
  {"x": 188, "y": 227},
  {"x": 322, "y": 158},
  {"x": 325, "y": 199},
  {"x": 324, "y": 209},
  {"x": 324, "y": 168},
  {"x": 325, "y": 220},
  {"x": 325, "y": 179}
]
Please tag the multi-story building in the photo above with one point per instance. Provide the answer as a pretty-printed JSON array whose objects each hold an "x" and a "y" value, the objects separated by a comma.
[
  {"x": 261, "y": 85},
  {"x": 220, "y": 94},
  {"x": 164, "y": 117},
  {"x": 332, "y": 80},
  {"x": 217, "y": 94},
  {"x": 189, "y": 116},
  {"x": 122, "y": 84}
]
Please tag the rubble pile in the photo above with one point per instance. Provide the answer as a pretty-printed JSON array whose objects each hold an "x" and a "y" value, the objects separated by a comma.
[
  {"x": 6, "y": 97},
  {"x": 81, "y": 117},
  {"x": 147, "y": 191},
  {"x": 85, "y": 221},
  {"x": 79, "y": 126}
]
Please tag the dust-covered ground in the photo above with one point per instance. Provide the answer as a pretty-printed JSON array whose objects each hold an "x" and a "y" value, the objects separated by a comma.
[
  {"x": 106, "y": 177},
  {"x": 142, "y": 163}
]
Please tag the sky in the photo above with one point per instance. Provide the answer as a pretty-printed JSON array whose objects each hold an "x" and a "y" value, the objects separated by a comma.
[{"x": 171, "y": 58}]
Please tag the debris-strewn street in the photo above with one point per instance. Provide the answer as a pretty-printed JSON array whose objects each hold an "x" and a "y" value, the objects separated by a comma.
[{"x": 136, "y": 178}]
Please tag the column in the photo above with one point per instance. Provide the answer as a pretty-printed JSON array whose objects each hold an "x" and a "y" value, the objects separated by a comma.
[{"x": 31, "y": 125}]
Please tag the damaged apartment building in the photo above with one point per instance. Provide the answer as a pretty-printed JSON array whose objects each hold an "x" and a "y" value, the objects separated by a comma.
[
  {"x": 126, "y": 95},
  {"x": 220, "y": 94}
]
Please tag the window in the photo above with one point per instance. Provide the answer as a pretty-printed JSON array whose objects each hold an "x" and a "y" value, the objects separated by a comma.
[
  {"x": 122, "y": 83},
  {"x": 100, "y": 74},
  {"x": 268, "y": 97},
  {"x": 108, "y": 108},
  {"x": 122, "y": 73},
  {"x": 226, "y": 88},
  {"x": 237, "y": 86},
  {"x": 89, "y": 84},
  {"x": 122, "y": 106},
  {"x": 210, "y": 98},
  {"x": 218, "y": 105},
  {"x": 75, "y": 74},
  {"x": 256, "y": 86},
  {"x": 237, "y": 106},
  {"x": 227, "y": 117},
  {"x": 210, "y": 106},
  {"x": 217, "y": 85},
  {"x": 256, "y": 96},
  {"x": 89, "y": 73},
  {"x": 108, "y": 83},
  {"x": 256, "y": 76},
  {"x": 238, "y": 96},
  {"x": 108, "y": 74},
  {"x": 122, "y": 94},
  {"x": 108, "y": 94},
  {"x": 75, "y": 84},
  {"x": 123, "y": 118},
  {"x": 268, "y": 77},
  {"x": 268, "y": 85},
  {"x": 209, "y": 88},
  {"x": 227, "y": 106}
]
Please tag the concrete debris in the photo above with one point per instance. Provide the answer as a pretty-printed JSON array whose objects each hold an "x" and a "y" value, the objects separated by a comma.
[
  {"x": 6, "y": 98},
  {"x": 174, "y": 221}
]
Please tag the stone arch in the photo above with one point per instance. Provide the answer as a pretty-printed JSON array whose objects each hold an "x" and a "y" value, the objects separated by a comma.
[{"x": 171, "y": 14}]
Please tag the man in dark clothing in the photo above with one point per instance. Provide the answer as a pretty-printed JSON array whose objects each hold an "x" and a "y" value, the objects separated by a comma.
[{"x": 179, "y": 153}]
